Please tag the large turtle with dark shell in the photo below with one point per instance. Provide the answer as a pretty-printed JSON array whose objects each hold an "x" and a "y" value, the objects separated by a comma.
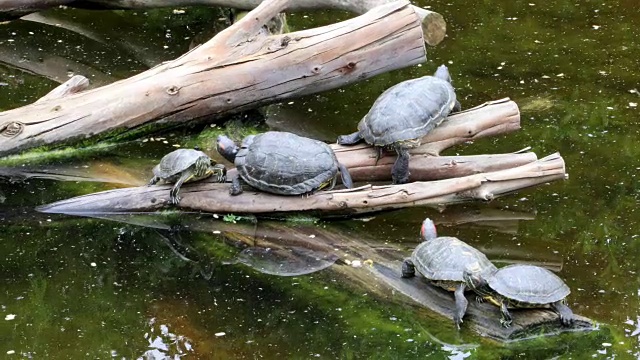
[
  {"x": 283, "y": 163},
  {"x": 184, "y": 165},
  {"x": 403, "y": 114},
  {"x": 522, "y": 286},
  {"x": 443, "y": 260}
]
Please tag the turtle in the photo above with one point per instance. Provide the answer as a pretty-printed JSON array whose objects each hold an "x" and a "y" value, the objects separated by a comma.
[
  {"x": 442, "y": 261},
  {"x": 183, "y": 165},
  {"x": 282, "y": 163},
  {"x": 403, "y": 114},
  {"x": 521, "y": 286},
  {"x": 290, "y": 261}
]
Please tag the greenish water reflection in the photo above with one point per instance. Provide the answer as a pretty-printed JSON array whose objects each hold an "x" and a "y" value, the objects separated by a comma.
[{"x": 83, "y": 288}]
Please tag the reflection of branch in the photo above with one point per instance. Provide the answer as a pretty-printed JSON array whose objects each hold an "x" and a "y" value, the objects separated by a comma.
[
  {"x": 433, "y": 24},
  {"x": 20, "y": 56}
]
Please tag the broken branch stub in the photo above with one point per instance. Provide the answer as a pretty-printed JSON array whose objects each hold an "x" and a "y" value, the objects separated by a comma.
[{"x": 226, "y": 75}]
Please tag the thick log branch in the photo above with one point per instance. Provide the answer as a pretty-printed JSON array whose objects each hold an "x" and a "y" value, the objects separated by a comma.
[
  {"x": 215, "y": 198},
  {"x": 433, "y": 23},
  {"x": 215, "y": 79}
]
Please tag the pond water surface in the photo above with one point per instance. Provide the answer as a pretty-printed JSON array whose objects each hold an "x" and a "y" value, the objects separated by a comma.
[{"x": 90, "y": 288}]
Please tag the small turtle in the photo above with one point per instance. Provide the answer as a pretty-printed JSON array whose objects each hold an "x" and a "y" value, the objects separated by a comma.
[
  {"x": 283, "y": 163},
  {"x": 443, "y": 260},
  {"x": 185, "y": 165},
  {"x": 291, "y": 261},
  {"x": 521, "y": 286},
  {"x": 403, "y": 114}
]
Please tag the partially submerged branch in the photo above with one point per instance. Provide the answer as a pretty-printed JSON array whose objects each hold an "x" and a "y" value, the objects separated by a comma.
[
  {"x": 433, "y": 23},
  {"x": 215, "y": 198}
]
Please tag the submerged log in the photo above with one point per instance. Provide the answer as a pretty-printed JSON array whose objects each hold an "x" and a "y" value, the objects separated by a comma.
[
  {"x": 370, "y": 264},
  {"x": 433, "y": 24},
  {"x": 240, "y": 68}
]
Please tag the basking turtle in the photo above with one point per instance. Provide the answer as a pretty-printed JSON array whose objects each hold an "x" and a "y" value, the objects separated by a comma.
[
  {"x": 521, "y": 286},
  {"x": 185, "y": 165},
  {"x": 403, "y": 114},
  {"x": 291, "y": 261},
  {"x": 443, "y": 260},
  {"x": 283, "y": 163}
]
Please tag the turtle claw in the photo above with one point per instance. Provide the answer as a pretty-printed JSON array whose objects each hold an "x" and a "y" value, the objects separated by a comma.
[{"x": 505, "y": 323}]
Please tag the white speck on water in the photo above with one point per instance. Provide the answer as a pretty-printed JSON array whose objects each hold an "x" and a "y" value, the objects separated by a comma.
[
  {"x": 10, "y": 317},
  {"x": 595, "y": 27},
  {"x": 632, "y": 104},
  {"x": 312, "y": 236},
  {"x": 178, "y": 11},
  {"x": 356, "y": 263},
  {"x": 11, "y": 352},
  {"x": 410, "y": 340},
  {"x": 560, "y": 75},
  {"x": 609, "y": 108},
  {"x": 601, "y": 291},
  {"x": 93, "y": 264},
  {"x": 216, "y": 231},
  {"x": 222, "y": 333},
  {"x": 606, "y": 344},
  {"x": 290, "y": 103}
]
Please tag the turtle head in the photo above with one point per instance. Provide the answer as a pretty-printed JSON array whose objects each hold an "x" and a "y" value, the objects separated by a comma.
[
  {"x": 443, "y": 73},
  {"x": 428, "y": 230},
  {"x": 227, "y": 148},
  {"x": 473, "y": 278}
]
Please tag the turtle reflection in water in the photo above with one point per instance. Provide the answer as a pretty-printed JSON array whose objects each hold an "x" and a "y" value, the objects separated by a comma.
[
  {"x": 522, "y": 286},
  {"x": 403, "y": 114},
  {"x": 291, "y": 261},
  {"x": 443, "y": 260},
  {"x": 184, "y": 165}
]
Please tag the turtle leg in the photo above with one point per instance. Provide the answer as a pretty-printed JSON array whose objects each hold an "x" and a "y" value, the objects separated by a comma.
[
  {"x": 174, "y": 198},
  {"x": 219, "y": 172},
  {"x": 154, "y": 180},
  {"x": 566, "y": 315},
  {"x": 345, "y": 176},
  {"x": 505, "y": 320},
  {"x": 456, "y": 107},
  {"x": 350, "y": 139},
  {"x": 236, "y": 186},
  {"x": 408, "y": 269},
  {"x": 400, "y": 170},
  {"x": 461, "y": 305}
]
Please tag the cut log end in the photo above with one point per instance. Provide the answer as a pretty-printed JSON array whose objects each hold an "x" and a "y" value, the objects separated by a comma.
[{"x": 434, "y": 28}]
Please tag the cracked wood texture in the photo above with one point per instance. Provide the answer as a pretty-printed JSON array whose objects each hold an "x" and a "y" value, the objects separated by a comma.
[
  {"x": 433, "y": 24},
  {"x": 240, "y": 68}
]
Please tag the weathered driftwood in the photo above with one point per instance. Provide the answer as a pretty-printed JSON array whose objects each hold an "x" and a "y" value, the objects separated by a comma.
[
  {"x": 377, "y": 273},
  {"x": 239, "y": 68},
  {"x": 433, "y": 24},
  {"x": 215, "y": 198}
]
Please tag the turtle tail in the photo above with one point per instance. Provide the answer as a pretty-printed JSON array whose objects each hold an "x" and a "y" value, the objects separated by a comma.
[{"x": 346, "y": 177}]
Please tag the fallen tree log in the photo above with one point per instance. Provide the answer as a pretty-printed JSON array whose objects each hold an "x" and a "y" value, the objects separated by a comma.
[
  {"x": 240, "y": 68},
  {"x": 433, "y": 24},
  {"x": 215, "y": 198}
]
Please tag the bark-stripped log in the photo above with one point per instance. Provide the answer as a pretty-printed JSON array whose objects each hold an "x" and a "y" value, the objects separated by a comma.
[
  {"x": 240, "y": 68},
  {"x": 215, "y": 198}
]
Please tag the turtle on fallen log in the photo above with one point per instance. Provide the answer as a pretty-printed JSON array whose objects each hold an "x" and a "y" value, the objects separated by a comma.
[{"x": 382, "y": 276}]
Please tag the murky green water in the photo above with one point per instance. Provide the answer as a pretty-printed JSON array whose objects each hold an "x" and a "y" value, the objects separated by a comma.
[{"x": 89, "y": 288}]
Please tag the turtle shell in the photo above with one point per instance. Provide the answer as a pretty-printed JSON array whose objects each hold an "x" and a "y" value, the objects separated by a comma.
[
  {"x": 176, "y": 162},
  {"x": 446, "y": 258},
  {"x": 284, "y": 163},
  {"x": 528, "y": 284},
  {"x": 406, "y": 111}
]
